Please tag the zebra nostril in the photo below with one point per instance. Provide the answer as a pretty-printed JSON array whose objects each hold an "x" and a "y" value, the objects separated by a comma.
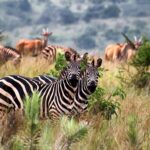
[
  {"x": 92, "y": 83},
  {"x": 74, "y": 77}
]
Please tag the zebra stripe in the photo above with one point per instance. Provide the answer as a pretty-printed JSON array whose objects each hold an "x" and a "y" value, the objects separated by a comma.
[
  {"x": 7, "y": 52},
  {"x": 56, "y": 97},
  {"x": 50, "y": 52},
  {"x": 86, "y": 86},
  {"x": 14, "y": 88},
  {"x": 45, "y": 79}
]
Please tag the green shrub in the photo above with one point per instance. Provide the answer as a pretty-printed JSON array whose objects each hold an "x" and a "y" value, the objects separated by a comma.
[
  {"x": 136, "y": 73},
  {"x": 106, "y": 105},
  {"x": 142, "y": 58},
  {"x": 73, "y": 132},
  {"x": 28, "y": 137},
  {"x": 60, "y": 64}
]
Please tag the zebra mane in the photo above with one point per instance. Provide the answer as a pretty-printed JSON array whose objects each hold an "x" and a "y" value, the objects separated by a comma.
[{"x": 11, "y": 48}]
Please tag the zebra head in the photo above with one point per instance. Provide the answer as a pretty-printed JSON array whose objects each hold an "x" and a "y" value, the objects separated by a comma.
[
  {"x": 91, "y": 74},
  {"x": 72, "y": 71}
]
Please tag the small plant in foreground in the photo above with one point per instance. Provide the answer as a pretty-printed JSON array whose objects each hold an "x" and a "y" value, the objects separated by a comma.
[
  {"x": 135, "y": 137},
  {"x": 108, "y": 106},
  {"x": 29, "y": 136},
  {"x": 73, "y": 132}
]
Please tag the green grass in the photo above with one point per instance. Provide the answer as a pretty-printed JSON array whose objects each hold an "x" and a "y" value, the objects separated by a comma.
[{"x": 92, "y": 131}]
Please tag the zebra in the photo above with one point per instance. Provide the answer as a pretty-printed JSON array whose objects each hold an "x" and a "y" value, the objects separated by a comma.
[
  {"x": 49, "y": 52},
  {"x": 46, "y": 79},
  {"x": 7, "y": 52},
  {"x": 56, "y": 97},
  {"x": 86, "y": 86}
]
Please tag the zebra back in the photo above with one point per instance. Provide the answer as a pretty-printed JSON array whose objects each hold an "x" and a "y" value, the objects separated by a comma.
[
  {"x": 56, "y": 97},
  {"x": 50, "y": 52},
  {"x": 8, "y": 52},
  {"x": 13, "y": 90}
]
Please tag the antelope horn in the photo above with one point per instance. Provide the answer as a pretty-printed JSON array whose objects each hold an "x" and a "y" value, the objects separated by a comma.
[
  {"x": 135, "y": 38},
  {"x": 47, "y": 30},
  {"x": 128, "y": 41},
  {"x": 43, "y": 30},
  {"x": 140, "y": 39}
]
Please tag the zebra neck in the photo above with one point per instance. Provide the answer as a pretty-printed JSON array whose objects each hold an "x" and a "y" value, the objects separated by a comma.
[
  {"x": 45, "y": 42},
  {"x": 81, "y": 97},
  {"x": 71, "y": 88}
]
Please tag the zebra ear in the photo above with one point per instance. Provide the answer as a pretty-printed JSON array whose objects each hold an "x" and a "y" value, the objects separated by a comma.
[
  {"x": 93, "y": 62},
  {"x": 74, "y": 57},
  {"x": 99, "y": 62},
  {"x": 85, "y": 56},
  {"x": 68, "y": 56}
]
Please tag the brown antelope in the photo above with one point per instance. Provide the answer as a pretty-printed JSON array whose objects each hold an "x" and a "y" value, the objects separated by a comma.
[
  {"x": 35, "y": 46},
  {"x": 9, "y": 53},
  {"x": 130, "y": 48},
  {"x": 50, "y": 52},
  {"x": 113, "y": 52},
  {"x": 124, "y": 51}
]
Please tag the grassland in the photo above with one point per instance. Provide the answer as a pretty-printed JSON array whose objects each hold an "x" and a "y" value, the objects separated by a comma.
[{"x": 130, "y": 130}]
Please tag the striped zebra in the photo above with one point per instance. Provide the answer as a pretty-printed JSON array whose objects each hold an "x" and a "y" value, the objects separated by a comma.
[
  {"x": 50, "y": 52},
  {"x": 86, "y": 86},
  {"x": 56, "y": 97},
  {"x": 46, "y": 79},
  {"x": 9, "y": 53}
]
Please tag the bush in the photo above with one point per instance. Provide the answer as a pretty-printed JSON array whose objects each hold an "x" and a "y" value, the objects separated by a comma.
[
  {"x": 73, "y": 132},
  {"x": 60, "y": 64},
  {"x": 142, "y": 58},
  {"x": 140, "y": 78},
  {"x": 107, "y": 106}
]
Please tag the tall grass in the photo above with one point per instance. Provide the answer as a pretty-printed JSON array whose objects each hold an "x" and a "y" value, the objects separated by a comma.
[{"x": 129, "y": 130}]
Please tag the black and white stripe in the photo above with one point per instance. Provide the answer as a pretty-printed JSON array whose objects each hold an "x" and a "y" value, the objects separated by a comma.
[
  {"x": 7, "y": 53},
  {"x": 13, "y": 89},
  {"x": 50, "y": 52},
  {"x": 56, "y": 97},
  {"x": 86, "y": 86},
  {"x": 46, "y": 79}
]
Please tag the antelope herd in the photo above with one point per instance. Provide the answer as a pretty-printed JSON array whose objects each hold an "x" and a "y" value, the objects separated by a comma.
[
  {"x": 122, "y": 51},
  {"x": 39, "y": 47}
]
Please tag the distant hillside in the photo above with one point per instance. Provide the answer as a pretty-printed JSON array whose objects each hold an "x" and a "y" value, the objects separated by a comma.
[{"x": 82, "y": 24}]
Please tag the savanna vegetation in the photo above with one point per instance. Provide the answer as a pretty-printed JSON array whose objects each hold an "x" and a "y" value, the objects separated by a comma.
[{"x": 118, "y": 115}]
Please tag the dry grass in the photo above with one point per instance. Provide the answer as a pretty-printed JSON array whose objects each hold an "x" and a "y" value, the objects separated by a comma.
[{"x": 129, "y": 131}]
